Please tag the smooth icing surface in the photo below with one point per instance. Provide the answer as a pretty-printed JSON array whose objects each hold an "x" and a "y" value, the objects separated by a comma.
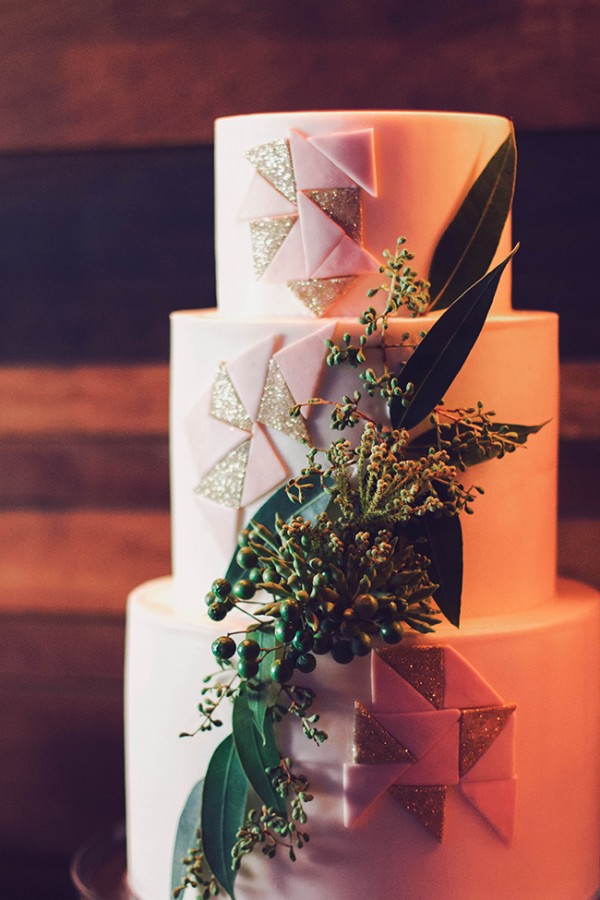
[
  {"x": 513, "y": 369},
  {"x": 412, "y": 170},
  {"x": 545, "y": 663}
]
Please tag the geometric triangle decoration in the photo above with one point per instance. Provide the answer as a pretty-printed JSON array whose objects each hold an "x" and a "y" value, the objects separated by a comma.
[
  {"x": 422, "y": 667},
  {"x": 495, "y": 801},
  {"x": 319, "y": 294},
  {"x": 353, "y": 152},
  {"x": 344, "y": 206},
  {"x": 468, "y": 747},
  {"x": 275, "y": 404},
  {"x": 427, "y": 803},
  {"x": 224, "y": 483},
  {"x": 262, "y": 201},
  {"x": 372, "y": 743},
  {"x": 479, "y": 728},
  {"x": 225, "y": 403},
  {"x": 267, "y": 236},
  {"x": 273, "y": 162}
]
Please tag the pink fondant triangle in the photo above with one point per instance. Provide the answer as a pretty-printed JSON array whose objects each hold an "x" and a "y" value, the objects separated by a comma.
[
  {"x": 464, "y": 686},
  {"x": 248, "y": 372},
  {"x": 346, "y": 258},
  {"x": 262, "y": 201},
  {"x": 391, "y": 693},
  {"x": 301, "y": 363},
  {"x": 289, "y": 263},
  {"x": 265, "y": 470},
  {"x": 498, "y": 761},
  {"x": 353, "y": 152},
  {"x": 223, "y": 522},
  {"x": 439, "y": 765},
  {"x": 364, "y": 785},
  {"x": 320, "y": 234},
  {"x": 312, "y": 170},
  {"x": 496, "y": 801},
  {"x": 420, "y": 731},
  {"x": 219, "y": 439}
]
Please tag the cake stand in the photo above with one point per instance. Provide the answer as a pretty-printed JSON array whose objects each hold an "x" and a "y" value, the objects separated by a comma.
[{"x": 98, "y": 870}]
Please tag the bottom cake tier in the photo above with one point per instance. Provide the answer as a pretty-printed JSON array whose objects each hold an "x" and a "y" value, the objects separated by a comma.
[{"x": 521, "y": 699}]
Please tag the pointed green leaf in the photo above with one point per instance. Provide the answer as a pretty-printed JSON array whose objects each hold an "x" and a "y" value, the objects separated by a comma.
[
  {"x": 185, "y": 839},
  {"x": 256, "y": 752},
  {"x": 223, "y": 808},
  {"x": 279, "y": 503},
  {"x": 444, "y": 536},
  {"x": 258, "y": 700},
  {"x": 472, "y": 455},
  {"x": 439, "y": 357},
  {"x": 467, "y": 247}
]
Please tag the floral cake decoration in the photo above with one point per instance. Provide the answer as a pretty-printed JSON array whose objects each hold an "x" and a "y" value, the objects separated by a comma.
[{"x": 362, "y": 546}]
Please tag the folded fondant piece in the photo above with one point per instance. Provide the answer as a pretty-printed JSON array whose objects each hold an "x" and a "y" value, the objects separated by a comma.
[
  {"x": 345, "y": 258},
  {"x": 248, "y": 373},
  {"x": 302, "y": 363},
  {"x": 288, "y": 263},
  {"x": 389, "y": 692},
  {"x": 463, "y": 685},
  {"x": 262, "y": 201},
  {"x": 420, "y": 666},
  {"x": 223, "y": 521},
  {"x": 479, "y": 728},
  {"x": 353, "y": 152},
  {"x": 320, "y": 235},
  {"x": 419, "y": 731},
  {"x": 498, "y": 761},
  {"x": 217, "y": 440},
  {"x": 364, "y": 785},
  {"x": 311, "y": 168},
  {"x": 373, "y": 743},
  {"x": 495, "y": 801},
  {"x": 268, "y": 237},
  {"x": 273, "y": 162},
  {"x": 276, "y": 403},
  {"x": 265, "y": 469}
]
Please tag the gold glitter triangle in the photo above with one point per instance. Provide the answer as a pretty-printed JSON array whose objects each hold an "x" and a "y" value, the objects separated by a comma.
[
  {"x": 224, "y": 483},
  {"x": 225, "y": 403},
  {"x": 274, "y": 162},
  {"x": 479, "y": 728},
  {"x": 422, "y": 667},
  {"x": 373, "y": 743},
  {"x": 275, "y": 403},
  {"x": 319, "y": 294},
  {"x": 427, "y": 803},
  {"x": 344, "y": 206},
  {"x": 267, "y": 236}
]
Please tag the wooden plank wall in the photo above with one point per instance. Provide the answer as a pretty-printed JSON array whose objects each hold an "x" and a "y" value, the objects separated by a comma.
[{"x": 106, "y": 116}]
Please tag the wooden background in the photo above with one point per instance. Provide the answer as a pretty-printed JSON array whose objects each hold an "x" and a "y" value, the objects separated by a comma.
[{"x": 106, "y": 113}]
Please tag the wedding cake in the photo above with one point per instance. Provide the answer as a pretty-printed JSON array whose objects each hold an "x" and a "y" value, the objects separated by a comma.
[{"x": 454, "y": 755}]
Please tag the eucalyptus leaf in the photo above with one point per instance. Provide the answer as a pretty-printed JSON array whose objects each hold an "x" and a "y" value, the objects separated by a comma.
[
  {"x": 185, "y": 838},
  {"x": 441, "y": 354},
  {"x": 258, "y": 700},
  {"x": 280, "y": 504},
  {"x": 444, "y": 536},
  {"x": 224, "y": 801},
  {"x": 467, "y": 247},
  {"x": 256, "y": 752},
  {"x": 472, "y": 455}
]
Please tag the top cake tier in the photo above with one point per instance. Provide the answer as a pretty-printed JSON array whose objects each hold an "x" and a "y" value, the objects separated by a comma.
[{"x": 307, "y": 202}]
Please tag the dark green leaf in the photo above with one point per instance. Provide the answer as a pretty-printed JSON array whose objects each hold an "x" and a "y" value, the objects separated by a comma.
[
  {"x": 185, "y": 839},
  {"x": 439, "y": 357},
  {"x": 467, "y": 247},
  {"x": 472, "y": 455},
  {"x": 444, "y": 536},
  {"x": 223, "y": 808},
  {"x": 258, "y": 700},
  {"x": 256, "y": 752},
  {"x": 317, "y": 501}
]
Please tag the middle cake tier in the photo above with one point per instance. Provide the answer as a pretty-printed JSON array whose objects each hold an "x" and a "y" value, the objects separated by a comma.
[{"x": 233, "y": 442}]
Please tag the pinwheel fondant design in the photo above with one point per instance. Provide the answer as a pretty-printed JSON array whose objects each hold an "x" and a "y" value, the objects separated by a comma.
[
  {"x": 434, "y": 725},
  {"x": 304, "y": 207},
  {"x": 229, "y": 427}
]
